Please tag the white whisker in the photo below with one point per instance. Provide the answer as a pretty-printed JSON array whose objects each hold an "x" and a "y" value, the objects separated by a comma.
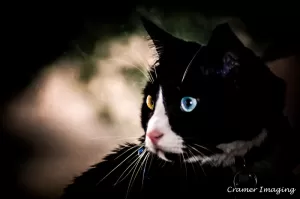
[
  {"x": 115, "y": 137},
  {"x": 184, "y": 165},
  {"x": 191, "y": 164},
  {"x": 197, "y": 150},
  {"x": 145, "y": 167},
  {"x": 194, "y": 157},
  {"x": 145, "y": 73},
  {"x": 129, "y": 150},
  {"x": 117, "y": 166},
  {"x": 118, "y": 181},
  {"x": 203, "y": 147},
  {"x": 132, "y": 177},
  {"x": 143, "y": 63},
  {"x": 187, "y": 68}
]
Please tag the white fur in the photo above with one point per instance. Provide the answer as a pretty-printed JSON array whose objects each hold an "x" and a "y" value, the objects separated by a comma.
[
  {"x": 170, "y": 142},
  {"x": 231, "y": 150}
]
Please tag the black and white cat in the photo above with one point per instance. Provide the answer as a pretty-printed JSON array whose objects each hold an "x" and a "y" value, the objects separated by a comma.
[{"x": 205, "y": 107}]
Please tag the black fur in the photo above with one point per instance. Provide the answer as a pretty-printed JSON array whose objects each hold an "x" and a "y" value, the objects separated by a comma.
[
  {"x": 158, "y": 179},
  {"x": 233, "y": 105}
]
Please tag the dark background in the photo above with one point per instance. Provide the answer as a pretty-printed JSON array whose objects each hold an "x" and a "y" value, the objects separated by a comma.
[{"x": 44, "y": 33}]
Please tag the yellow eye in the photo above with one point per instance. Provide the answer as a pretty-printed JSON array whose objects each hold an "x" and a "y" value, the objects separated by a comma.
[{"x": 150, "y": 102}]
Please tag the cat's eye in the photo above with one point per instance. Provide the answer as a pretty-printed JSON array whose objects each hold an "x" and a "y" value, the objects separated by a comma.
[
  {"x": 188, "y": 104},
  {"x": 149, "y": 102}
]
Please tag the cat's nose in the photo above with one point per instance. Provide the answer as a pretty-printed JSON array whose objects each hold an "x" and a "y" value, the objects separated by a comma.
[{"x": 155, "y": 136}]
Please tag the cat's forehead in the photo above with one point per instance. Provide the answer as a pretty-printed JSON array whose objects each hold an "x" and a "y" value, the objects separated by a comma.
[
  {"x": 174, "y": 66},
  {"x": 195, "y": 66}
]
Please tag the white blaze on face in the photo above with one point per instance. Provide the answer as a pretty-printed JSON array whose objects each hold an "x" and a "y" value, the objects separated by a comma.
[{"x": 169, "y": 142}]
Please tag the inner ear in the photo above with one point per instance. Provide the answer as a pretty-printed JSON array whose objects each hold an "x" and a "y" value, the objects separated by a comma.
[
  {"x": 230, "y": 61},
  {"x": 225, "y": 49},
  {"x": 162, "y": 40}
]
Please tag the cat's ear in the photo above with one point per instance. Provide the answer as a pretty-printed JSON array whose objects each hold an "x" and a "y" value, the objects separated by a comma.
[
  {"x": 225, "y": 40},
  {"x": 225, "y": 47},
  {"x": 162, "y": 40},
  {"x": 250, "y": 70}
]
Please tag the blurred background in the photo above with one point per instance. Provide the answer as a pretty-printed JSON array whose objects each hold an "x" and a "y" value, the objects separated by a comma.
[{"x": 73, "y": 87}]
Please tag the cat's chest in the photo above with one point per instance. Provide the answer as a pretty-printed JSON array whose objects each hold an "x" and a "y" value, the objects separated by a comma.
[
  {"x": 118, "y": 179},
  {"x": 169, "y": 180}
]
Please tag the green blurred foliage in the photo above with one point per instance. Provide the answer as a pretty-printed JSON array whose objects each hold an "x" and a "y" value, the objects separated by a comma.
[
  {"x": 93, "y": 43},
  {"x": 134, "y": 76},
  {"x": 105, "y": 115}
]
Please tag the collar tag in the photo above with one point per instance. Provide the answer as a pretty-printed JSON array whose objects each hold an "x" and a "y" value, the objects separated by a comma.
[{"x": 244, "y": 178}]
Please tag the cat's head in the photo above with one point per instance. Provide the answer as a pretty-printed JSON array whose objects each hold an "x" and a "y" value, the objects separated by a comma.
[{"x": 199, "y": 97}]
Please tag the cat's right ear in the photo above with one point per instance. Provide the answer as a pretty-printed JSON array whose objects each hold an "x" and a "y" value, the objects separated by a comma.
[{"x": 163, "y": 41}]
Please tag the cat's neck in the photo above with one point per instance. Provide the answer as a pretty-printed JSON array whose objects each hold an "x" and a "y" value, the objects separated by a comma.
[{"x": 271, "y": 160}]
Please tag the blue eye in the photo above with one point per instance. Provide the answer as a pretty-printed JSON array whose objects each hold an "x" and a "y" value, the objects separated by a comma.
[{"x": 188, "y": 104}]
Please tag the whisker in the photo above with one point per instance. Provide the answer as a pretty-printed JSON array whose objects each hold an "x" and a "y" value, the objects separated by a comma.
[
  {"x": 187, "y": 68},
  {"x": 143, "y": 63},
  {"x": 191, "y": 164},
  {"x": 128, "y": 138},
  {"x": 151, "y": 68},
  {"x": 164, "y": 163},
  {"x": 83, "y": 54},
  {"x": 151, "y": 160},
  {"x": 152, "y": 79},
  {"x": 141, "y": 166},
  {"x": 182, "y": 155},
  {"x": 145, "y": 167},
  {"x": 151, "y": 76},
  {"x": 131, "y": 182},
  {"x": 180, "y": 162},
  {"x": 133, "y": 163},
  {"x": 134, "y": 167},
  {"x": 197, "y": 150},
  {"x": 197, "y": 161},
  {"x": 160, "y": 163},
  {"x": 204, "y": 148},
  {"x": 128, "y": 150},
  {"x": 117, "y": 166},
  {"x": 131, "y": 64},
  {"x": 154, "y": 69},
  {"x": 115, "y": 137}
]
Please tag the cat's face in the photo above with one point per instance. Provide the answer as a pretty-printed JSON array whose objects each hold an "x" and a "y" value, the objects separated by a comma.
[{"x": 200, "y": 97}]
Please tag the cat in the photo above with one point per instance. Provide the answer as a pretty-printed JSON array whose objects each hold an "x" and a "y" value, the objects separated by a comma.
[{"x": 208, "y": 112}]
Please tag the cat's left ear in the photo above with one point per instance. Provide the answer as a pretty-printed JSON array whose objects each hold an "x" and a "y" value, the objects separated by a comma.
[
  {"x": 224, "y": 39},
  {"x": 225, "y": 47},
  {"x": 162, "y": 40},
  {"x": 251, "y": 71}
]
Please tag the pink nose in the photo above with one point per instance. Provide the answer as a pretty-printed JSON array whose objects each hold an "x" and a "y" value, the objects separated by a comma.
[{"x": 154, "y": 136}]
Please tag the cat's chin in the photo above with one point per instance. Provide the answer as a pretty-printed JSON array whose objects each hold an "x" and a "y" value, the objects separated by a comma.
[
  {"x": 162, "y": 155},
  {"x": 168, "y": 157}
]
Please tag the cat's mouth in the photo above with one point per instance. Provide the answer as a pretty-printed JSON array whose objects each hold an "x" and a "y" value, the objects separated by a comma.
[
  {"x": 166, "y": 150},
  {"x": 167, "y": 156},
  {"x": 162, "y": 155},
  {"x": 159, "y": 152}
]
